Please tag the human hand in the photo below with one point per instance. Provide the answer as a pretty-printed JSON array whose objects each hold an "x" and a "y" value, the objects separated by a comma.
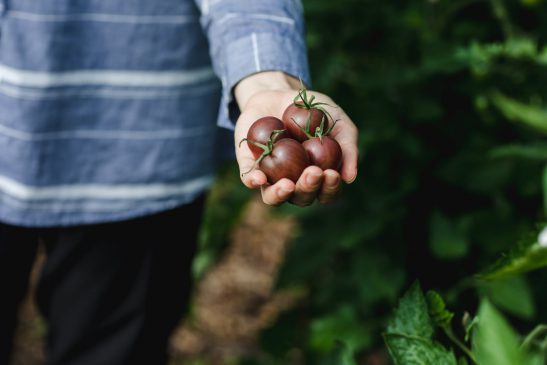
[{"x": 268, "y": 94}]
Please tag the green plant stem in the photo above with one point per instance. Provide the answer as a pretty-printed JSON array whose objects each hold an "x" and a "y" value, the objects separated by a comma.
[
  {"x": 458, "y": 343},
  {"x": 532, "y": 335},
  {"x": 500, "y": 12}
]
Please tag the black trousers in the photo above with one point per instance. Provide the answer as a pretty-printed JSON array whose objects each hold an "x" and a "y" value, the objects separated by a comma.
[{"x": 111, "y": 293}]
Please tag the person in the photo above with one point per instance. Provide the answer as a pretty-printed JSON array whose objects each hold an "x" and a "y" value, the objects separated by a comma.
[{"x": 109, "y": 140}]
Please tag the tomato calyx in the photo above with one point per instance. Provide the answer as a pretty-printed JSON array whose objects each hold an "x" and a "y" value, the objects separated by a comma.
[
  {"x": 320, "y": 131},
  {"x": 267, "y": 148},
  {"x": 302, "y": 101}
]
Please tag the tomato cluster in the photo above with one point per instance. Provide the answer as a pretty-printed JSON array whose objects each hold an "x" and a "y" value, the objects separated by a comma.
[{"x": 283, "y": 148}]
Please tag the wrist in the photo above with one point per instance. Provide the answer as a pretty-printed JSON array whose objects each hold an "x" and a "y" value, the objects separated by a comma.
[{"x": 263, "y": 81}]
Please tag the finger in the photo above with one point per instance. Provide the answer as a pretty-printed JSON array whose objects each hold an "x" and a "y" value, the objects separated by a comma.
[
  {"x": 330, "y": 188},
  {"x": 350, "y": 155},
  {"x": 250, "y": 175},
  {"x": 254, "y": 179},
  {"x": 346, "y": 134},
  {"x": 277, "y": 193},
  {"x": 307, "y": 186}
]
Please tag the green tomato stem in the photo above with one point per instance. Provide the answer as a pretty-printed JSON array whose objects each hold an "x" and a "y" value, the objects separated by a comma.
[
  {"x": 533, "y": 335},
  {"x": 448, "y": 331}
]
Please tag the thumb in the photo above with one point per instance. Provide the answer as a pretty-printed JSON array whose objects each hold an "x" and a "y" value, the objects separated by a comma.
[{"x": 248, "y": 169}]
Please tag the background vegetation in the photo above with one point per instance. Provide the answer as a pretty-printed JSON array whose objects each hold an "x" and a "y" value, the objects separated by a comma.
[{"x": 451, "y": 101}]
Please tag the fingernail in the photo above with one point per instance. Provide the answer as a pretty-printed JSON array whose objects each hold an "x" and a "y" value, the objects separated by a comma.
[{"x": 354, "y": 177}]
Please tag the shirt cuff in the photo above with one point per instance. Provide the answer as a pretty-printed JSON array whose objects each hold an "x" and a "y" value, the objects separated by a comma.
[{"x": 254, "y": 53}]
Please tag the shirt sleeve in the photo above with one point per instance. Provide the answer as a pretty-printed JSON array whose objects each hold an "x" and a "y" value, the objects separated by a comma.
[{"x": 250, "y": 36}]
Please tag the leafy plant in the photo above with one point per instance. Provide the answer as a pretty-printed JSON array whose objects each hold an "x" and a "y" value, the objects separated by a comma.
[
  {"x": 409, "y": 336},
  {"x": 493, "y": 340}
]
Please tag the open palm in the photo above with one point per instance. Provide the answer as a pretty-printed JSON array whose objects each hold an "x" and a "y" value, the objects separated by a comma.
[{"x": 314, "y": 182}]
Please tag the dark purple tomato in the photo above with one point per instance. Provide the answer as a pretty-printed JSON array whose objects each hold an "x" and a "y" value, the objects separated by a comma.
[
  {"x": 287, "y": 160},
  {"x": 324, "y": 153},
  {"x": 300, "y": 115},
  {"x": 260, "y": 132}
]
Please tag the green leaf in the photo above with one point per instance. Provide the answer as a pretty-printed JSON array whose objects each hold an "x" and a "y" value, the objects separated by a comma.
[
  {"x": 511, "y": 294},
  {"x": 517, "y": 111},
  {"x": 527, "y": 255},
  {"x": 536, "y": 151},
  {"x": 482, "y": 58},
  {"x": 536, "y": 358},
  {"x": 520, "y": 47},
  {"x": 417, "y": 351},
  {"x": 544, "y": 183},
  {"x": 542, "y": 57},
  {"x": 344, "y": 354},
  {"x": 494, "y": 341},
  {"x": 411, "y": 316},
  {"x": 437, "y": 310},
  {"x": 342, "y": 325},
  {"x": 448, "y": 239},
  {"x": 530, "y": 3},
  {"x": 469, "y": 324},
  {"x": 409, "y": 333},
  {"x": 462, "y": 361}
]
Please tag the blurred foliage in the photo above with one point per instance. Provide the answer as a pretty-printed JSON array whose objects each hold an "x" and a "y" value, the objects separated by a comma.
[
  {"x": 223, "y": 208},
  {"x": 451, "y": 101}
]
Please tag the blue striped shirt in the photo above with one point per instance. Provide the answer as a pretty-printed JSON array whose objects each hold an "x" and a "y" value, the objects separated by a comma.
[{"x": 111, "y": 110}]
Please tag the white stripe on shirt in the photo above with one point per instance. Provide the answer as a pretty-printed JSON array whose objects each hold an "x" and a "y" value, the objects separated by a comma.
[
  {"x": 256, "y": 53},
  {"x": 92, "y": 206},
  {"x": 106, "y": 134},
  {"x": 259, "y": 16},
  {"x": 107, "y": 92},
  {"x": 21, "y": 191},
  {"x": 105, "y": 77},
  {"x": 101, "y": 17}
]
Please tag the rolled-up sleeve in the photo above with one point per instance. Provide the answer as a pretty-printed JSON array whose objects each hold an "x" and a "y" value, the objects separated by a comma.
[{"x": 250, "y": 36}]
